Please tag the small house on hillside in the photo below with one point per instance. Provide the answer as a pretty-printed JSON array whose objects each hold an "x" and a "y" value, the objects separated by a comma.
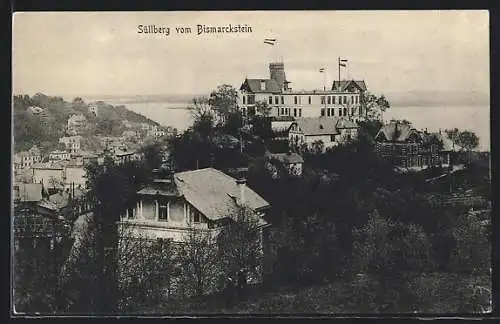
[
  {"x": 291, "y": 163},
  {"x": 330, "y": 132}
]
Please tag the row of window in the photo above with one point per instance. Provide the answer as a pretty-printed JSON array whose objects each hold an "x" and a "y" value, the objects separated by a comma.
[
  {"x": 297, "y": 100},
  {"x": 194, "y": 215},
  {"x": 297, "y": 112},
  {"x": 340, "y": 100},
  {"x": 330, "y": 112}
]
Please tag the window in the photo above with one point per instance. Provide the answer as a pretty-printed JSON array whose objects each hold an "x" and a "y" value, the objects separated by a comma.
[
  {"x": 340, "y": 111},
  {"x": 244, "y": 100},
  {"x": 282, "y": 100},
  {"x": 352, "y": 99},
  {"x": 322, "y": 100},
  {"x": 309, "y": 99},
  {"x": 194, "y": 215},
  {"x": 131, "y": 213},
  {"x": 322, "y": 111},
  {"x": 294, "y": 112},
  {"x": 295, "y": 99},
  {"x": 345, "y": 111},
  {"x": 332, "y": 138},
  {"x": 345, "y": 99},
  {"x": 276, "y": 100},
  {"x": 300, "y": 100},
  {"x": 282, "y": 111},
  {"x": 251, "y": 99},
  {"x": 329, "y": 100},
  {"x": 163, "y": 214},
  {"x": 300, "y": 112},
  {"x": 328, "y": 112},
  {"x": 353, "y": 111},
  {"x": 333, "y": 99},
  {"x": 270, "y": 100}
]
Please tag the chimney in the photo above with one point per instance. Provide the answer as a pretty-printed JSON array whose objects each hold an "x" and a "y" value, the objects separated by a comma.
[{"x": 241, "y": 182}]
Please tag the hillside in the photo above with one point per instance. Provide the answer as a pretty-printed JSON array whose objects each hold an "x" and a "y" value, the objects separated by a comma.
[{"x": 46, "y": 126}]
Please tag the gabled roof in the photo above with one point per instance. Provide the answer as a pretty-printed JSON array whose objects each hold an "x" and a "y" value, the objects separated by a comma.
[
  {"x": 253, "y": 85},
  {"x": 344, "y": 84},
  {"x": 287, "y": 158},
  {"x": 396, "y": 132},
  {"x": 28, "y": 192},
  {"x": 310, "y": 126},
  {"x": 214, "y": 193}
]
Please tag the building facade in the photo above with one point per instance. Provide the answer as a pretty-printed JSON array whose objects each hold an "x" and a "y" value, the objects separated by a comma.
[
  {"x": 72, "y": 143},
  {"x": 329, "y": 131},
  {"x": 404, "y": 146},
  {"x": 343, "y": 99}
]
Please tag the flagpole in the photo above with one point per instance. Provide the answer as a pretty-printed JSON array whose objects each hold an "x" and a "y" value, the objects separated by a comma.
[{"x": 339, "y": 71}]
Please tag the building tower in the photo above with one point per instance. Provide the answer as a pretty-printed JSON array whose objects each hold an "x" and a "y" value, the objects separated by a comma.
[{"x": 277, "y": 73}]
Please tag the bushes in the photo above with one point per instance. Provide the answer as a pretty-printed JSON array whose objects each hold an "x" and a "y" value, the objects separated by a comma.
[
  {"x": 473, "y": 247},
  {"x": 383, "y": 246}
]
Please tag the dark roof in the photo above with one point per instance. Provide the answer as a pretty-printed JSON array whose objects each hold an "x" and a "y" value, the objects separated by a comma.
[
  {"x": 388, "y": 132},
  {"x": 344, "y": 84},
  {"x": 287, "y": 158},
  {"x": 214, "y": 193},
  {"x": 28, "y": 192},
  {"x": 322, "y": 125},
  {"x": 253, "y": 85}
]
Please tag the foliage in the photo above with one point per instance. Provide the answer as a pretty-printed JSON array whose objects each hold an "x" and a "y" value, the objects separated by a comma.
[
  {"x": 263, "y": 108},
  {"x": 374, "y": 106},
  {"x": 262, "y": 128},
  {"x": 224, "y": 99},
  {"x": 145, "y": 268},
  {"x": 200, "y": 265},
  {"x": 239, "y": 244}
]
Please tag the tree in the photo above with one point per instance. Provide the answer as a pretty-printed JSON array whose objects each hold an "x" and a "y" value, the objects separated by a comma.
[
  {"x": 203, "y": 115},
  {"x": 318, "y": 147},
  {"x": 197, "y": 257},
  {"x": 469, "y": 141},
  {"x": 144, "y": 268},
  {"x": 263, "y": 108},
  {"x": 224, "y": 100},
  {"x": 240, "y": 244},
  {"x": 374, "y": 106}
]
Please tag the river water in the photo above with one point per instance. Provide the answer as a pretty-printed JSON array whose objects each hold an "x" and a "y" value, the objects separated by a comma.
[{"x": 473, "y": 118}]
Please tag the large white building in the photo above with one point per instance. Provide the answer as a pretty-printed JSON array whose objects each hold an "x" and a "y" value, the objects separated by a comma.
[{"x": 343, "y": 99}]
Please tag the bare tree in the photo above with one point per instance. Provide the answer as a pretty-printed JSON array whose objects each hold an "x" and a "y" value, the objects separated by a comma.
[
  {"x": 198, "y": 259},
  {"x": 240, "y": 244},
  {"x": 144, "y": 267}
]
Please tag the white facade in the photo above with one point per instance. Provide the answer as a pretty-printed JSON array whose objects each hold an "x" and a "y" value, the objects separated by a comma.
[
  {"x": 172, "y": 219},
  {"x": 50, "y": 177},
  {"x": 59, "y": 155},
  {"x": 305, "y": 104},
  {"x": 74, "y": 175}
]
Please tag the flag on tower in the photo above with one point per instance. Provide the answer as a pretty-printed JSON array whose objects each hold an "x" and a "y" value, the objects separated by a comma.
[
  {"x": 322, "y": 70},
  {"x": 270, "y": 41},
  {"x": 342, "y": 62}
]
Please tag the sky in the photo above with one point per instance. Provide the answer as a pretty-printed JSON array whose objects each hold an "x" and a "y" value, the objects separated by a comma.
[{"x": 101, "y": 53}]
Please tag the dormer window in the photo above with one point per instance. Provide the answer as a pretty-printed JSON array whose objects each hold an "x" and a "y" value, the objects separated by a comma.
[{"x": 263, "y": 85}]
